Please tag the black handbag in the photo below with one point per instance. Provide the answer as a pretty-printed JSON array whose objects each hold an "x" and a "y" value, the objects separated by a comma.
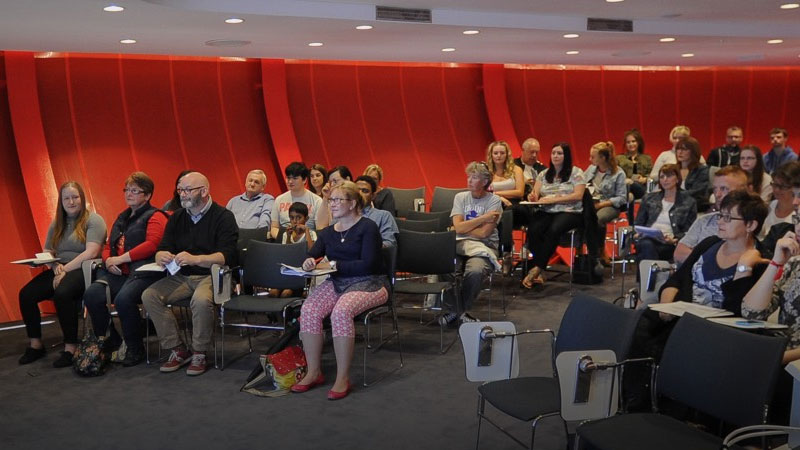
[{"x": 583, "y": 270}]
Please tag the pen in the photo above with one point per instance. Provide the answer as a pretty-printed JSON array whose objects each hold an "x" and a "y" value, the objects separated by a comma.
[
  {"x": 317, "y": 260},
  {"x": 747, "y": 322}
]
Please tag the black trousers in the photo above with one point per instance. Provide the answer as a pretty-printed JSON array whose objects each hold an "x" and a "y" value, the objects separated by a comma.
[
  {"x": 67, "y": 298},
  {"x": 545, "y": 230}
]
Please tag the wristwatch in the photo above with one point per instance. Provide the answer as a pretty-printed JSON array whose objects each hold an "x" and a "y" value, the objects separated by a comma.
[
  {"x": 332, "y": 264},
  {"x": 742, "y": 268}
]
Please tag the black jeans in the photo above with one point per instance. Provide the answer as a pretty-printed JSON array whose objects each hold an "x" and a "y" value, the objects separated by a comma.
[
  {"x": 545, "y": 230},
  {"x": 126, "y": 294},
  {"x": 67, "y": 298},
  {"x": 647, "y": 248}
]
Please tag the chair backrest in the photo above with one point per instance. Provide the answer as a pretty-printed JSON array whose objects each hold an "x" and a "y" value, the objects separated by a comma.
[
  {"x": 653, "y": 274},
  {"x": 443, "y": 198},
  {"x": 505, "y": 230},
  {"x": 722, "y": 371},
  {"x": 593, "y": 324},
  {"x": 426, "y": 253},
  {"x": 248, "y": 234},
  {"x": 504, "y": 361},
  {"x": 404, "y": 198},
  {"x": 442, "y": 216},
  {"x": 262, "y": 265},
  {"x": 422, "y": 226}
]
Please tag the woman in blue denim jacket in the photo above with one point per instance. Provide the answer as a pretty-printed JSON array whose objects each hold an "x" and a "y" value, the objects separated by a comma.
[
  {"x": 606, "y": 182},
  {"x": 670, "y": 210}
]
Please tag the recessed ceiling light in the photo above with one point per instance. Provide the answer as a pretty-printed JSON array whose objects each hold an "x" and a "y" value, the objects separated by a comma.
[
  {"x": 127, "y": 41},
  {"x": 234, "y": 20},
  {"x": 364, "y": 27},
  {"x": 667, "y": 39},
  {"x": 775, "y": 41},
  {"x": 470, "y": 32},
  {"x": 573, "y": 52},
  {"x": 448, "y": 49},
  {"x": 614, "y": 1},
  {"x": 790, "y": 5},
  {"x": 315, "y": 44},
  {"x": 571, "y": 35},
  {"x": 113, "y": 8},
  {"x": 687, "y": 55}
]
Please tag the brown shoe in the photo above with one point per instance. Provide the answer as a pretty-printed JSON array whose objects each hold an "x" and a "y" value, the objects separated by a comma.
[
  {"x": 176, "y": 360},
  {"x": 198, "y": 365}
]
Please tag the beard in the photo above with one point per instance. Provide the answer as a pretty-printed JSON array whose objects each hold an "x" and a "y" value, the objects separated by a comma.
[{"x": 190, "y": 202}]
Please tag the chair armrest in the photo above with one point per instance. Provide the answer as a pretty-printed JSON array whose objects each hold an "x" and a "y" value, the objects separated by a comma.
[
  {"x": 88, "y": 267},
  {"x": 529, "y": 331},
  {"x": 221, "y": 282},
  {"x": 755, "y": 431},
  {"x": 653, "y": 369}
]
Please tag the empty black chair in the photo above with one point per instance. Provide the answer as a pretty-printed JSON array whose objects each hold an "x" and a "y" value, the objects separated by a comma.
[
  {"x": 443, "y": 198},
  {"x": 422, "y": 226},
  {"x": 404, "y": 199},
  {"x": 262, "y": 269},
  {"x": 442, "y": 216},
  {"x": 588, "y": 324},
  {"x": 721, "y": 371}
]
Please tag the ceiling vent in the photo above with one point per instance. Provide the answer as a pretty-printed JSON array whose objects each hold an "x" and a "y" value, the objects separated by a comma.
[
  {"x": 609, "y": 25},
  {"x": 226, "y": 43},
  {"x": 403, "y": 14}
]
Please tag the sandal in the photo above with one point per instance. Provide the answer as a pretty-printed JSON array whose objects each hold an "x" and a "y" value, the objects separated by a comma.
[{"x": 533, "y": 277}]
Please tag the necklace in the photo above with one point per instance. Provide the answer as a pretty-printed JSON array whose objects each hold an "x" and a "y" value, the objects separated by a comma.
[{"x": 344, "y": 234}]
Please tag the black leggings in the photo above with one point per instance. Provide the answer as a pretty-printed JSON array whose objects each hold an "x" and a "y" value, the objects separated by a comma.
[
  {"x": 545, "y": 230},
  {"x": 67, "y": 298}
]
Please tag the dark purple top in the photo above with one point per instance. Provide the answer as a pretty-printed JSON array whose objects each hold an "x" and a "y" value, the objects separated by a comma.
[{"x": 357, "y": 251}]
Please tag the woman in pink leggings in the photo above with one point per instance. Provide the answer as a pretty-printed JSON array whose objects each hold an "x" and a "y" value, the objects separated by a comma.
[{"x": 353, "y": 247}]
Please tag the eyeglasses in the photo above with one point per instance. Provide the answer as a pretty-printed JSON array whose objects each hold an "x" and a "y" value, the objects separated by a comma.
[
  {"x": 187, "y": 190},
  {"x": 365, "y": 190},
  {"x": 133, "y": 191},
  {"x": 337, "y": 200},
  {"x": 779, "y": 186},
  {"x": 727, "y": 217},
  {"x": 666, "y": 175}
]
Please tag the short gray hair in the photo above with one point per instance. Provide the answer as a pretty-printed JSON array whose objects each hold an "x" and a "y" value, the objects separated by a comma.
[{"x": 480, "y": 168}]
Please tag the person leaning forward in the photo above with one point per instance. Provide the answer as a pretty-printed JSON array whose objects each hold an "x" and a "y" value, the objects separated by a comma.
[{"x": 199, "y": 235}]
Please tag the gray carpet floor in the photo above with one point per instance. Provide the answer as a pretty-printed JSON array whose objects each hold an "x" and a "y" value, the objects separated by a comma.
[{"x": 428, "y": 404}]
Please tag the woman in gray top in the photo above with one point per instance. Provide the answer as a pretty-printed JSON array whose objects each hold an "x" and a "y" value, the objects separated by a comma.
[{"x": 75, "y": 235}]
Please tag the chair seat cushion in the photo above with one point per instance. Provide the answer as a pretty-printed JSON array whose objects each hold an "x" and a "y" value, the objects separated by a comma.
[
  {"x": 416, "y": 287},
  {"x": 258, "y": 304},
  {"x": 650, "y": 431},
  {"x": 523, "y": 398}
]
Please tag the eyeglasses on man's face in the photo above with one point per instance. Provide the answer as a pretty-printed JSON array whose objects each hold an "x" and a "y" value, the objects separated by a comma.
[
  {"x": 187, "y": 191},
  {"x": 134, "y": 191},
  {"x": 779, "y": 186},
  {"x": 727, "y": 217}
]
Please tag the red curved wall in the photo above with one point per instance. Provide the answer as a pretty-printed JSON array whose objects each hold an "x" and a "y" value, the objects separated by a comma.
[{"x": 104, "y": 116}]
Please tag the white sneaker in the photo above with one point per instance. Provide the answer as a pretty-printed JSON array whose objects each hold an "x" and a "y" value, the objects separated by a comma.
[{"x": 466, "y": 318}]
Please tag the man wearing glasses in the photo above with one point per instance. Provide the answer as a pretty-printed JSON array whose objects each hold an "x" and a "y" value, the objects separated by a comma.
[
  {"x": 727, "y": 179},
  {"x": 199, "y": 235},
  {"x": 728, "y": 154}
]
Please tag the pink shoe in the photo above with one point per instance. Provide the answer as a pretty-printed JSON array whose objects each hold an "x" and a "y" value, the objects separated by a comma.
[
  {"x": 300, "y": 388},
  {"x": 336, "y": 395}
]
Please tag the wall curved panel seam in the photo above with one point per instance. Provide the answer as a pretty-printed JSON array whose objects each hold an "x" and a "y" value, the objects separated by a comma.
[
  {"x": 428, "y": 186},
  {"x": 604, "y": 112},
  {"x": 316, "y": 115},
  {"x": 126, "y": 113},
  {"x": 527, "y": 103},
  {"x": 449, "y": 118},
  {"x": 785, "y": 105},
  {"x": 178, "y": 128},
  {"x": 496, "y": 99},
  {"x": 363, "y": 119},
  {"x": 749, "y": 101},
  {"x": 78, "y": 147},
  {"x": 641, "y": 101},
  {"x": 713, "y": 119},
  {"x": 281, "y": 128},
  {"x": 567, "y": 115},
  {"x": 225, "y": 127},
  {"x": 678, "y": 96}
]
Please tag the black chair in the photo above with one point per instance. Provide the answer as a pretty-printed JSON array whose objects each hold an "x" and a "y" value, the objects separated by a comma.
[
  {"x": 442, "y": 216},
  {"x": 423, "y": 254},
  {"x": 262, "y": 269},
  {"x": 443, "y": 198},
  {"x": 422, "y": 226},
  {"x": 404, "y": 199},
  {"x": 588, "y": 324},
  {"x": 389, "y": 259},
  {"x": 726, "y": 373}
]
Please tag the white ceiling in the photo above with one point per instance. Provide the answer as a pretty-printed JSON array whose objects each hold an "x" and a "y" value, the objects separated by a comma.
[{"x": 718, "y": 32}]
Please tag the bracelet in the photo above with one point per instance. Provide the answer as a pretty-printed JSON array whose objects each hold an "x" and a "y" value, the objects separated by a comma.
[{"x": 773, "y": 263}]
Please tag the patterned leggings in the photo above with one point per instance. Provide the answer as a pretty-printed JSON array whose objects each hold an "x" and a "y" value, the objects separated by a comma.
[{"x": 342, "y": 308}]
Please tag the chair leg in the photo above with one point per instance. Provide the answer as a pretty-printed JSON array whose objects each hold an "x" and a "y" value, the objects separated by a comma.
[
  {"x": 481, "y": 407},
  {"x": 222, "y": 338},
  {"x": 571, "y": 259}
]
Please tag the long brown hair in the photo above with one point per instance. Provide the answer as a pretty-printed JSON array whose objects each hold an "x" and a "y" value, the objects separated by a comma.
[
  {"x": 61, "y": 215},
  {"x": 757, "y": 175},
  {"x": 606, "y": 150}
]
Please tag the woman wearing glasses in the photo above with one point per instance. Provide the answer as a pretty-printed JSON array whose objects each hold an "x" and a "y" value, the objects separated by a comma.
[
  {"x": 558, "y": 192},
  {"x": 751, "y": 161},
  {"x": 132, "y": 243},
  {"x": 75, "y": 235},
  {"x": 353, "y": 248},
  {"x": 781, "y": 209},
  {"x": 721, "y": 269},
  {"x": 669, "y": 210}
]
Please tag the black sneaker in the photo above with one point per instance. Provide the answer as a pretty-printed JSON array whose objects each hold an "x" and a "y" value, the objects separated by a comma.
[
  {"x": 133, "y": 356},
  {"x": 31, "y": 355},
  {"x": 64, "y": 360},
  {"x": 449, "y": 319}
]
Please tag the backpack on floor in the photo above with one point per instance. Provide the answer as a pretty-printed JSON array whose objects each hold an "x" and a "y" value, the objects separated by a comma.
[{"x": 90, "y": 359}]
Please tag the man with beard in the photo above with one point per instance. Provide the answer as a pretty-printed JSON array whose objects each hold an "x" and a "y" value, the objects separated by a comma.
[{"x": 200, "y": 234}]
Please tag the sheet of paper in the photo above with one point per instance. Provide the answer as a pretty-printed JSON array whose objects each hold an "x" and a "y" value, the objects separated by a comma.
[
  {"x": 152, "y": 267},
  {"x": 653, "y": 233},
  {"x": 679, "y": 308},
  {"x": 173, "y": 267},
  {"x": 747, "y": 324},
  {"x": 299, "y": 272}
]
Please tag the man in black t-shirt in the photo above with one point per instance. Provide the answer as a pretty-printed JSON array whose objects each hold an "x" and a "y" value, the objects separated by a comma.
[{"x": 728, "y": 154}]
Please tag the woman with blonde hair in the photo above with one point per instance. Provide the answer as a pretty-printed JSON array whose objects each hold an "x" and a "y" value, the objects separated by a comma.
[
  {"x": 670, "y": 156},
  {"x": 508, "y": 183},
  {"x": 383, "y": 198},
  {"x": 606, "y": 182},
  {"x": 75, "y": 235}
]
